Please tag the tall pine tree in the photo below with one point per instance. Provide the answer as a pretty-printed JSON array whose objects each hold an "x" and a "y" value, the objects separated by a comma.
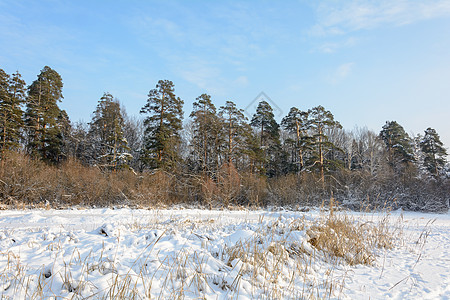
[
  {"x": 12, "y": 97},
  {"x": 320, "y": 120},
  {"x": 107, "y": 133},
  {"x": 44, "y": 136},
  {"x": 269, "y": 133},
  {"x": 434, "y": 152},
  {"x": 296, "y": 123},
  {"x": 5, "y": 108},
  {"x": 207, "y": 134},
  {"x": 398, "y": 145},
  {"x": 235, "y": 131},
  {"x": 162, "y": 126}
]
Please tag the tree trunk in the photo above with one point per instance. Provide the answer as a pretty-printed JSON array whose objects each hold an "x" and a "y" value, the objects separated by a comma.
[
  {"x": 160, "y": 152},
  {"x": 230, "y": 140},
  {"x": 321, "y": 164},
  {"x": 300, "y": 153}
]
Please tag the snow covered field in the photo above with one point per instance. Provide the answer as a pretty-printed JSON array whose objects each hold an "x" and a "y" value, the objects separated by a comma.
[{"x": 161, "y": 254}]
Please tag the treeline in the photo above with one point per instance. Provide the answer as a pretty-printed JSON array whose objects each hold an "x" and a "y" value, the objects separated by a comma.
[{"x": 218, "y": 157}]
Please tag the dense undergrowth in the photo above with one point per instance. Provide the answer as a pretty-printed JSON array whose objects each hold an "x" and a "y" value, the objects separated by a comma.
[{"x": 25, "y": 182}]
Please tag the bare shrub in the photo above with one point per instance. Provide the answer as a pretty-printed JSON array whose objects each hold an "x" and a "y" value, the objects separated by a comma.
[
  {"x": 229, "y": 184},
  {"x": 298, "y": 190},
  {"x": 25, "y": 182},
  {"x": 30, "y": 182},
  {"x": 155, "y": 189},
  {"x": 254, "y": 190}
]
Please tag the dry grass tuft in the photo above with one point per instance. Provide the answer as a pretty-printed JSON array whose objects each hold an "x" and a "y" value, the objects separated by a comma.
[{"x": 341, "y": 236}]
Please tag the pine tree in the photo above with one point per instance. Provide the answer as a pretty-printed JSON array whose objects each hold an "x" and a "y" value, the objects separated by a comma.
[
  {"x": 162, "y": 126},
  {"x": 269, "y": 133},
  {"x": 12, "y": 97},
  {"x": 296, "y": 122},
  {"x": 254, "y": 154},
  {"x": 5, "y": 109},
  {"x": 235, "y": 131},
  {"x": 433, "y": 151},
  {"x": 106, "y": 130},
  {"x": 265, "y": 121},
  {"x": 207, "y": 134},
  {"x": 398, "y": 145},
  {"x": 319, "y": 121},
  {"x": 44, "y": 137}
]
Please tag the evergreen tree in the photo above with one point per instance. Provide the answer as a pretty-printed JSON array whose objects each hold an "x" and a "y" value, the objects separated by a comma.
[
  {"x": 44, "y": 137},
  {"x": 264, "y": 120},
  {"x": 398, "y": 145},
  {"x": 12, "y": 96},
  {"x": 106, "y": 130},
  {"x": 65, "y": 133},
  {"x": 434, "y": 152},
  {"x": 207, "y": 129},
  {"x": 255, "y": 155},
  {"x": 269, "y": 133},
  {"x": 5, "y": 109},
  {"x": 162, "y": 126},
  {"x": 235, "y": 127},
  {"x": 296, "y": 122},
  {"x": 319, "y": 121}
]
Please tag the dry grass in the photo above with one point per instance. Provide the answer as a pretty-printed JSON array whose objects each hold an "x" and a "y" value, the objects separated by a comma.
[
  {"x": 280, "y": 266},
  {"x": 341, "y": 236}
]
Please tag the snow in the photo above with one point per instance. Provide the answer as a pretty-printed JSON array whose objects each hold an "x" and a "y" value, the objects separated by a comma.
[{"x": 142, "y": 254}]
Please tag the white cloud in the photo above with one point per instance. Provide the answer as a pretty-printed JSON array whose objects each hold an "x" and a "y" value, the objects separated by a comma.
[
  {"x": 296, "y": 87},
  {"x": 336, "y": 18},
  {"x": 241, "y": 81},
  {"x": 332, "y": 47},
  {"x": 148, "y": 28},
  {"x": 340, "y": 73},
  {"x": 201, "y": 74}
]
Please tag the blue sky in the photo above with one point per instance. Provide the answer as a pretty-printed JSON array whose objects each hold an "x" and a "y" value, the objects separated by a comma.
[{"x": 365, "y": 61}]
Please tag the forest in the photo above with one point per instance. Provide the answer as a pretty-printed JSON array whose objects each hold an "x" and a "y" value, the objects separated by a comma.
[{"x": 214, "y": 158}]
